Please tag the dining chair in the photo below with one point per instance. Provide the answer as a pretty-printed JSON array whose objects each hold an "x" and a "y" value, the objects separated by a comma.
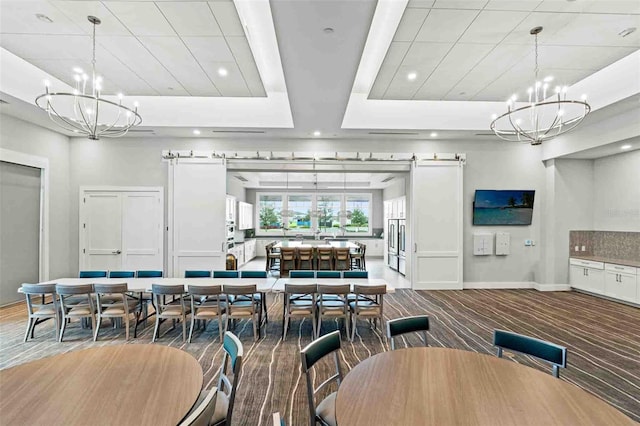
[
  {"x": 342, "y": 259},
  {"x": 253, "y": 274},
  {"x": 299, "y": 307},
  {"x": 554, "y": 354},
  {"x": 40, "y": 309},
  {"x": 122, "y": 274},
  {"x": 197, "y": 274},
  {"x": 118, "y": 305},
  {"x": 273, "y": 257},
  {"x": 226, "y": 274},
  {"x": 368, "y": 304},
  {"x": 233, "y": 356},
  {"x": 325, "y": 411},
  {"x": 206, "y": 303},
  {"x": 149, "y": 274},
  {"x": 246, "y": 307},
  {"x": 398, "y": 326},
  {"x": 355, "y": 274},
  {"x": 325, "y": 258},
  {"x": 305, "y": 258},
  {"x": 259, "y": 296},
  {"x": 92, "y": 274},
  {"x": 302, "y": 274},
  {"x": 357, "y": 256},
  {"x": 176, "y": 310},
  {"x": 203, "y": 413},
  {"x": 334, "y": 306},
  {"x": 328, "y": 274},
  {"x": 82, "y": 306},
  {"x": 287, "y": 260}
]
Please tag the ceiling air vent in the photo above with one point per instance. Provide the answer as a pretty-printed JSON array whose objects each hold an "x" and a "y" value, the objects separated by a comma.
[
  {"x": 240, "y": 131},
  {"x": 141, "y": 131},
  {"x": 394, "y": 133},
  {"x": 387, "y": 179},
  {"x": 241, "y": 178},
  {"x": 485, "y": 134}
]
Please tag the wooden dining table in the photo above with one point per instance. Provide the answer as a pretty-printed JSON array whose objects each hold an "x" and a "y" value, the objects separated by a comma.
[
  {"x": 120, "y": 384},
  {"x": 441, "y": 386}
]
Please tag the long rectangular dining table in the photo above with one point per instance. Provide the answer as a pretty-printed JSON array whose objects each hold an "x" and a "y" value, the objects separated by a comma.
[{"x": 278, "y": 287}]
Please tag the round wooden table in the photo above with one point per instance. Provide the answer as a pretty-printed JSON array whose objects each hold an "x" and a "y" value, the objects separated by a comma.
[
  {"x": 123, "y": 384},
  {"x": 439, "y": 386}
]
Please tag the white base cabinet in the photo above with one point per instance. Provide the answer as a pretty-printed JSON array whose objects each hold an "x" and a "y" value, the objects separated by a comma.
[{"x": 608, "y": 279}]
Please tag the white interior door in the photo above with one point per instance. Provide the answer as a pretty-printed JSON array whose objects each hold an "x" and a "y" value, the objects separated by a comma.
[
  {"x": 121, "y": 229},
  {"x": 197, "y": 205},
  {"x": 142, "y": 222},
  {"x": 436, "y": 189},
  {"x": 102, "y": 226}
]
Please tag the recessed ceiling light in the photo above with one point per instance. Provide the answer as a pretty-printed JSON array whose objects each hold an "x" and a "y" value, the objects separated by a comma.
[
  {"x": 196, "y": 131},
  {"x": 223, "y": 72},
  {"x": 328, "y": 30},
  {"x": 317, "y": 133},
  {"x": 627, "y": 31},
  {"x": 433, "y": 134},
  {"x": 44, "y": 18},
  {"x": 625, "y": 147},
  {"x": 412, "y": 76}
]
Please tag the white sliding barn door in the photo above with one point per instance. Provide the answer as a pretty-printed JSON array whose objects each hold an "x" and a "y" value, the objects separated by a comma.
[
  {"x": 121, "y": 229},
  {"x": 436, "y": 194},
  {"x": 197, "y": 202}
]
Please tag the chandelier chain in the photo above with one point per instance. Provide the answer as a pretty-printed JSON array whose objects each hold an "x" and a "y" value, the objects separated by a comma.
[{"x": 536, "y": 50}]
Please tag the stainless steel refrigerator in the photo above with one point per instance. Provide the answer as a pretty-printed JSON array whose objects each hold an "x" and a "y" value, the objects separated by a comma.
[
  {"x": 392, "y": 241},
  {"x": 402, "y": 233}
]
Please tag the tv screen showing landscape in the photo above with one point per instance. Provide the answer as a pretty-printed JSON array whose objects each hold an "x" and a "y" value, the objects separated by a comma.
[{"x": 492, "y": 207}]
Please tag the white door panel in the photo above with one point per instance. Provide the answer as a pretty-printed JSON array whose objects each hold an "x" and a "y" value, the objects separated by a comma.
[
  {"x": 142, "y": 231},
  {"x": 197, "y": 203},
  {"x": 103, "y": 231},
  {"x": 437, "y": 225}
]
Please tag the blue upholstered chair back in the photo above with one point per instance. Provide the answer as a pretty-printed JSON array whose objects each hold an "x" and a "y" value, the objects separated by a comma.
[
  {"x": 122, "y": 274},
  {"x": 546, "y": 351},
  {"x": 197, "y": 274},
  {"x": 225, "y": 274},
  {"x": 328, "y": 274},
  {"x": 149, "y": 274},
  {"x": 355, "y": 274},
  {"x": 302, "y": 274},
  {"x": 92, "y": 274},
  {"x": 253, "y": 274},
  {"x": 418, "y": 323}
]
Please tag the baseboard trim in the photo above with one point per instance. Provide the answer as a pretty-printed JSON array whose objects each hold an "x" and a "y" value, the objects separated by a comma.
[
  {"x": 477, "y": 285},
  {"x": 552, "y": 287}
]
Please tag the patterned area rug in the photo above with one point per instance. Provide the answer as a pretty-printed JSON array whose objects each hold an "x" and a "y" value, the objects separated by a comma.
[{"x": 603, "y": 340}]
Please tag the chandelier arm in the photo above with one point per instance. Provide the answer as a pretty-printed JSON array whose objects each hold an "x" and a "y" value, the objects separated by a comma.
[
  {"x": 108, "y": 129},
  {"x": 84, "y": 119},
  {"x": 517, "y": 128},
  {"x": 95, "y": 122},
  {"x": 72, "y": 124}
]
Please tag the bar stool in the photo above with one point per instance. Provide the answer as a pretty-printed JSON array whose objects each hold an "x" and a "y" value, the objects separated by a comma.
[
  {"x": 325, "y": 258},
  {"x": 342, "y": 259},
  {"x": 305, "y": 258},
  {"x": 287, "y": 260}
]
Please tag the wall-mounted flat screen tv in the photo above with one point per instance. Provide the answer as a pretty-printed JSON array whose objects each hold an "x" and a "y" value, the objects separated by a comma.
[{"x": 500, "y": 207}]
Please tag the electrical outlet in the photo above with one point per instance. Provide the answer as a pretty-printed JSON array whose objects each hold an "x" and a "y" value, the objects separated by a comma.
[
  {"x": 584, "y": 248},
  {"x": 577, "y": 248}
]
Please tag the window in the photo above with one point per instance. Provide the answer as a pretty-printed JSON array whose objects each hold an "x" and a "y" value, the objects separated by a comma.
[
  {"x": 360, "y": 206},
  {"x": 300, "y": 208},
  {"x": 328, "y": 209},
  {"x": 269, "y": 213}
]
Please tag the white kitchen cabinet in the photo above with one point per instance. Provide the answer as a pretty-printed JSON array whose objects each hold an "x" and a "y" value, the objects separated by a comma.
[
  {"x": 245, "y": 215},
  {"x": 249, "y": 250},
  {"x": 396, "y": 208},
  {"x": 231, "y": 208},
  {"x": 375, "y": 247},
  {"x": 621, "y": 282},
  {"x": 587, "y": 275}
]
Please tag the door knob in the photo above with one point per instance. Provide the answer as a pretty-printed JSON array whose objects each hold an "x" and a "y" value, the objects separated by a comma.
[{"x": 116, "y": 252}]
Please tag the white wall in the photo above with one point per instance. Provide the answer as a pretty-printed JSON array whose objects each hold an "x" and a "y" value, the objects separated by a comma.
[
  {"x": 235, "y": 188},
  {"x": 396, "y": 189},
  {"x": 18, "y": 135},
  {"x": 616, "y": 194}
]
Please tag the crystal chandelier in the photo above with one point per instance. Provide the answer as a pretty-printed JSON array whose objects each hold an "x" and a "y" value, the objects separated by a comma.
[
  {"x": 85, "y": 111},
  {"x": 542, "y": 117}
]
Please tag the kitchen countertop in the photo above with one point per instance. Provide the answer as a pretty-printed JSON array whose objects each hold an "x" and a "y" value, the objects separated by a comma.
[{"x": 632, "y": 263}]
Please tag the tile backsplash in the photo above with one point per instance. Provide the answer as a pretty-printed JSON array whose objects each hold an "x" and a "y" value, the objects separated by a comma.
[{"x": 609, "y": 244}]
